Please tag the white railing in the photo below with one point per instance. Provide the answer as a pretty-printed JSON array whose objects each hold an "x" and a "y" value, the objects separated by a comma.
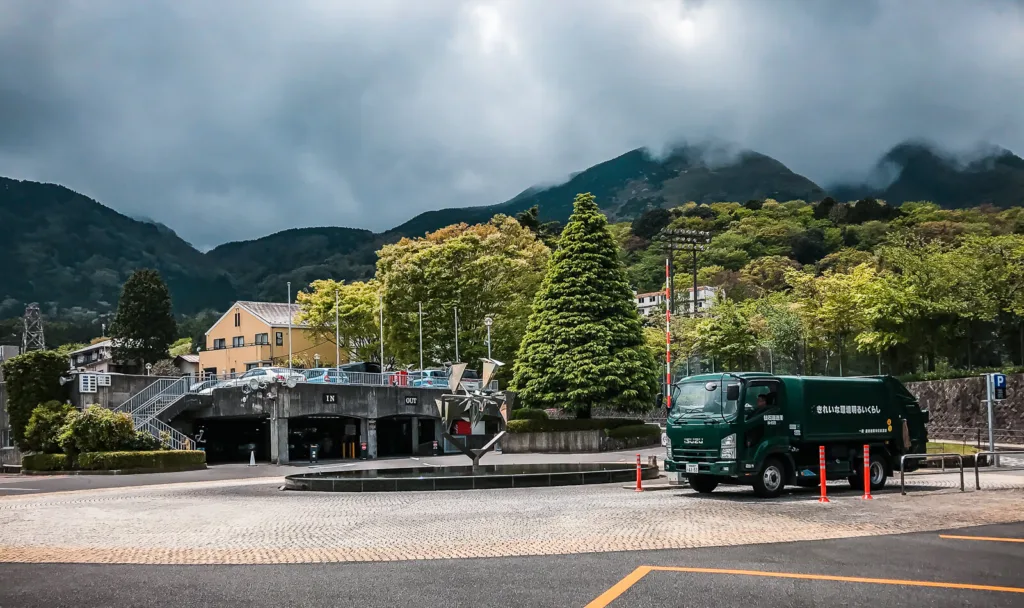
[
  {"x": 172, "y": 437},
  {"x": 139, "y": 399}
]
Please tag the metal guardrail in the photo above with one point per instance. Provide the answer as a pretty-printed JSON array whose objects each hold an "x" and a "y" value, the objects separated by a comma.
[
  {"x": 996, "y": 454},
  {"x": 903, "y": 468}
]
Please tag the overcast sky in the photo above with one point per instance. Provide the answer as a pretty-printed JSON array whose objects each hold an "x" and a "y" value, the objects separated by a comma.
[{"x": 232, "y": 119}]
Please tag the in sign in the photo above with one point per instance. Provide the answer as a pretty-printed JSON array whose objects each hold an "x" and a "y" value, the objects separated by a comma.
[{"x": 330, "y": 398}]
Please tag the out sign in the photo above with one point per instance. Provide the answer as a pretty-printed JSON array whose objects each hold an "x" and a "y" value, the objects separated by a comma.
[{"x": 999, "y": 386}]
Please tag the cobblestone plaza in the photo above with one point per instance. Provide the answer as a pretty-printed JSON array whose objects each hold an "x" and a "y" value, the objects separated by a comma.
[{"x": 253, "y": 522}]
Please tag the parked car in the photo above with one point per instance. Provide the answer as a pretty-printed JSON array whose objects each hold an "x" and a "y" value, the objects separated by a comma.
[
  {"x": 471, "y": 380},
  {"x": 206, "y": 387},
  {"x": 267, "y": 375},
  {"x": 429, "y": 377},
  {"x": 325, "y": 375}
]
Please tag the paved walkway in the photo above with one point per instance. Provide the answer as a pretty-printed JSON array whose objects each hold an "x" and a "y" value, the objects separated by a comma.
[{"x": 250, "y": 521}]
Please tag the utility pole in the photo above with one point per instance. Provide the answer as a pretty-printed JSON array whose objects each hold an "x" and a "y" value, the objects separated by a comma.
[
  {"x": 683, "y": 239},
  {"x": 668, "y": 334},
  {"x": 289, "y": 325},
  {"x": 421, "y": 335},
  {"x": 337, "y": 333},
  {"x": 380, "y": 302},
  {"x": 488, "y": 322},
  {"x": 456, "y": 334}
]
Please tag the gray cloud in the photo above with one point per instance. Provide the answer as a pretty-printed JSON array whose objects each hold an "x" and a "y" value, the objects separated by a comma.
[{"x": 234, "y": 119}]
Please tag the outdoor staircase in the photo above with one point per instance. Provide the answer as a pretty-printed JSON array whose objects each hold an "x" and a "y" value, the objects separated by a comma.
[{"x": 145, "y": 405}]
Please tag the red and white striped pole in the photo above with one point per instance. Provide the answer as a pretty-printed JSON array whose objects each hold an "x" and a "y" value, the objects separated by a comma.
[
  {"x": 821, "y": 460},
  {"x": 668, "y": 337},
  {"x": 867, "y": 474}
]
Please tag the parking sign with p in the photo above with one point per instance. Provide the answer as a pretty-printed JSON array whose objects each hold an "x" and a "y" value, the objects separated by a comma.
[{"x": 999, "y": 386}]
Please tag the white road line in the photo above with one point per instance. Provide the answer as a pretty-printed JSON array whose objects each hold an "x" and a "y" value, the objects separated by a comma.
[
  {"x": 3, "y": 489},
  {"x": 426, "y": 463}
]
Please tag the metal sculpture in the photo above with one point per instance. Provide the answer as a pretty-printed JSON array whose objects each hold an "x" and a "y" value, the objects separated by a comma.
[{"x": 474, "y": 405}]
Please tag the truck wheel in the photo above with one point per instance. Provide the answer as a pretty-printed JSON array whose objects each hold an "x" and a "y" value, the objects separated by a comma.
[
  {"x": 878, "y": 475},
  {"x": 768, "y": 483},
  {"x": 703, "y": 484}
]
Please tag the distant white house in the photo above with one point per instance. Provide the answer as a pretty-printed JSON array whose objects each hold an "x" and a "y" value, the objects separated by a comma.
[
  {"x": 649, "y": 302},
  {"x": 94, "y": 358}
]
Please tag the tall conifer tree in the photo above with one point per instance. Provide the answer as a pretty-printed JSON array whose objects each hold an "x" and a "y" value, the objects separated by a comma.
[{"x": 584, "y": 345}]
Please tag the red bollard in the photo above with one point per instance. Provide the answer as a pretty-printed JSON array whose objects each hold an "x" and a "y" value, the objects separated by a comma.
[
  {"x": 867, "y": 474},
  {"x": 821, "y": 459},
  {"x": 639, "y": 485}
]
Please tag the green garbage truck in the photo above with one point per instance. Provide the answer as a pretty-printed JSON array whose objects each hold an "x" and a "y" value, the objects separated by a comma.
[{"x": 765, "y": 431}]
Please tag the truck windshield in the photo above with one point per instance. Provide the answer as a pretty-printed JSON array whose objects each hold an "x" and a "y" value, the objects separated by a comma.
[{"x": 704, "y": 399}]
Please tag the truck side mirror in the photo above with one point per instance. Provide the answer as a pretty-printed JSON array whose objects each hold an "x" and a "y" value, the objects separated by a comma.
[
  {"x": 732, "y": 392},
  {"x": 660, "y": 399}
]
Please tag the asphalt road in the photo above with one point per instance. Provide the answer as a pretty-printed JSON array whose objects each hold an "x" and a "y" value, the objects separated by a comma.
[{"x": 889, "y": 571}]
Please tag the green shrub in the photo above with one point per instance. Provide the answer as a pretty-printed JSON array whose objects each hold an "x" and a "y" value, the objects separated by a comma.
[
  {"x": 527, "y": 413},
  {"x": 170, "y": 460},
  {"x": 635, "y": 431},
  {"x": 97, "y": 429},
  {"x": 145, "y": 442},
  {"x": 31, "y": 379},
  {"x": 570, "y": 424},
  {"x": 44, "y": 427},
  {"x": 44, "y": 462}
]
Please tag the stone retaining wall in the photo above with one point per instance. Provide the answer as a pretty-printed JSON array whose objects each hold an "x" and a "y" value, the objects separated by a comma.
[{"x": 959, "y": 404}]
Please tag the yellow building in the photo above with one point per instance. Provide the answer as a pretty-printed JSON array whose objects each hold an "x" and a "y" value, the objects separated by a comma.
[{"x": 255, "y": 334}]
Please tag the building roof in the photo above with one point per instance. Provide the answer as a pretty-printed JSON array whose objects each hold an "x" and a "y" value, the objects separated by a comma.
[
  {"x": 273, "y": 313},
  {"x": 651, "y": 293},
  {"x": 189, "y": 358},
  {"x": 91, "y": 347}
]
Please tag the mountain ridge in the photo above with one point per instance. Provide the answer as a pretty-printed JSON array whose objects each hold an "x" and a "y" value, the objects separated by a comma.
[{"x": 71, "y": 250}]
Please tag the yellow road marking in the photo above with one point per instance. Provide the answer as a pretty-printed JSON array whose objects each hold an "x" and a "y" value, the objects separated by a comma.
[
  {"x": 989, "y": 538},
  {"x": 634, "y": 577},
  {"x": 619, "y": 588}
]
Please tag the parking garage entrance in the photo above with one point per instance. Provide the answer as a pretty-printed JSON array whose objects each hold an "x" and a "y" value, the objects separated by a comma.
[
  {"x": 336, "y": 436},
  {"x": 233, "y": 439},
  {"x": 404, "y": 436}
]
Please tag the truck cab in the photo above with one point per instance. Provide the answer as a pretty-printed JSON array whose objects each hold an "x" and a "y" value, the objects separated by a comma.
[{"x": 764, "y": 431}]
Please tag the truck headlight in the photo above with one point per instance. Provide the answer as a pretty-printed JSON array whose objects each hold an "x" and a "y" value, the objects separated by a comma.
[
  {"x": 668, "y": 446},
  {"x": 729, "y": 447}
]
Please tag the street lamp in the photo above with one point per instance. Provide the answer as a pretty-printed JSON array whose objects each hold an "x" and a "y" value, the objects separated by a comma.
[
  {"x": 488, "y": 322},
  {"x": 316, "y": 360}
]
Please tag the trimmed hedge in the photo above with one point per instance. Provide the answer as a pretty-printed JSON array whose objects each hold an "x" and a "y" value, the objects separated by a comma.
[
  {"x": 170, "y": 460},
  {"x": 563, "y": 425},
  {"x": 44, "y": 462},
  {"x": 528, "y": 414},
  {"x": 635, "y": 431}
]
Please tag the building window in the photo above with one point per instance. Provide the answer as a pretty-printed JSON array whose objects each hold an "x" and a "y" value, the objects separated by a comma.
[
  {"x": 232, "y": 371},
  {"x": 238, "y": 319},
  {"x": 263, "y": 339},
  {"x": 219, "y": 343},
  {"x": 279, "y": 338},
  {"x": 238, "y": 341},
  {"x": 249, "y": 366},
  {"x": 87, "y": 383}
]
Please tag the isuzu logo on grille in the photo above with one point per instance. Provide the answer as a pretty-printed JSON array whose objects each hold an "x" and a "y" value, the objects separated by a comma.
[{"x": 693, "y": 440}]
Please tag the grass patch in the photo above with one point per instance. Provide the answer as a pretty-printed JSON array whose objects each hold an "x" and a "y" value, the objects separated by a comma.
[{"x": 951, "y": 448}]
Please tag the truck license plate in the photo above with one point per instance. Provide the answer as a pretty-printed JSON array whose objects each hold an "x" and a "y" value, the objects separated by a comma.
[{"x": 691, "y": 468}]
